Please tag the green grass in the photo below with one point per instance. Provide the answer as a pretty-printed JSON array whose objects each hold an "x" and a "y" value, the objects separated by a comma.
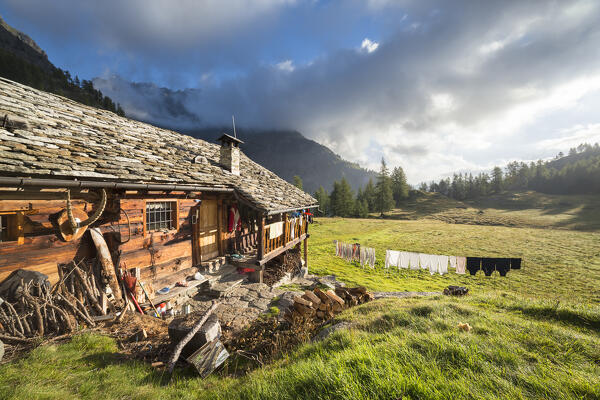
[
  {"x": 516, "y": 209},
  {"x": 397, "y": 349},
  {"x": 561, "y": 265},
  {"x": 536, "y": 333}
]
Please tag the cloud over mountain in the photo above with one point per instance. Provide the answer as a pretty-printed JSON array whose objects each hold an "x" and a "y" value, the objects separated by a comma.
[{"x": 434, "y": 86}]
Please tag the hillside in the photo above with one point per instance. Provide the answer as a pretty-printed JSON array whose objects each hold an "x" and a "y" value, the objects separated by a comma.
[
  {"x": 509, "y": 208},
  {"x": 23, "y": 61},
  {"x": 289, "y": 153},
  {"x": 534, "y": 333}
]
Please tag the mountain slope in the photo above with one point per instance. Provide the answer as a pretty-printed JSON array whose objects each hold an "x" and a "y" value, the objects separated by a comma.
[
  {"x": 289, "y": 153},
  {"x": 23, "y": 61}
]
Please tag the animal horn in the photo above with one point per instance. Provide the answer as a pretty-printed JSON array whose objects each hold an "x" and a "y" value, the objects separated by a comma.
[
  {"x": 97, "y": 213},
  {"x": 72, "y": 222}
]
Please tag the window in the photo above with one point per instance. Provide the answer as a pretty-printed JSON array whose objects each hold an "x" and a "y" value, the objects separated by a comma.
[
  {"x": 161, "y": 215},
  {"x": 8, "y": 228}
]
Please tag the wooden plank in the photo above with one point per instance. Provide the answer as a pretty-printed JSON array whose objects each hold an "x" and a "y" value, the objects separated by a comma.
[{"x": 165, "y": 268}]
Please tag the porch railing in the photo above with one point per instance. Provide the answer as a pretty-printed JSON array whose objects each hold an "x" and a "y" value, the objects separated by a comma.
[{"x": 293, "y": 229}]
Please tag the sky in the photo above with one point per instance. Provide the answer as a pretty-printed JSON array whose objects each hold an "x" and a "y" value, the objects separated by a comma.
[{"x": 432, "y": 86}]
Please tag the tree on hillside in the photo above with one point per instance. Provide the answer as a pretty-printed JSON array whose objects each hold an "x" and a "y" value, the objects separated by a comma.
[
  {"x": 370, "y": 195},
  {"x": 385, "y": 196},
  {"x": 361, "y": 208},
  {"x": 497, "y": 180},
  {"x": 323, "y": 200},
  {"x": 298, "y": 182},
  {"x": 342, "y": 199},
  {"x": 399, "y": 185}
]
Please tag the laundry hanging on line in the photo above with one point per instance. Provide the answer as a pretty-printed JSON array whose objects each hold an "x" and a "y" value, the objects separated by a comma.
[{"x": 490, "y": 264}]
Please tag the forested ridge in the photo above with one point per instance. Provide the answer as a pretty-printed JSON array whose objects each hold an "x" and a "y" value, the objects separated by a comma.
[
  {"x": 21, "y": 60},
  {"x": 578, "y": 172}
]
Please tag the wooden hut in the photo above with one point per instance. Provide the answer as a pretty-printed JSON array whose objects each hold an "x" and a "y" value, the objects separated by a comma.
[{"x": 166, "y": 204}]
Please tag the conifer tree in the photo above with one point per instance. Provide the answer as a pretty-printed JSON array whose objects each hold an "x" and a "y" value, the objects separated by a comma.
[{"x": 385, "y": 196}]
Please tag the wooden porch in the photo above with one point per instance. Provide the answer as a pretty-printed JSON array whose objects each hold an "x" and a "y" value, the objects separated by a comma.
[{"x": 257, "y": 248}]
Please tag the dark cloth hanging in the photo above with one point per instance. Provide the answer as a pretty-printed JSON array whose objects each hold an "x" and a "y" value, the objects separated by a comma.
[
  {"x": 488, "y": 265},
  {"x": 473, "y": 264},
  {"x": 503, "y": 266},
  {"x": 515, "y": 263}
]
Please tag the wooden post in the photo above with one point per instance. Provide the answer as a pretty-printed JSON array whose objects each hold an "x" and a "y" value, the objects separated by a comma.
[
  {"x": 220, "y": 226},
  {"x": 306, "y": 253},
  {"x": 261, "y": 239},
  {"x": 285, "y": 229}
]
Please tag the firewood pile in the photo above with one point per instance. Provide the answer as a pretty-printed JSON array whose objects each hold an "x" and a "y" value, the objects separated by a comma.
[
  {"x": 324, "y": 305},
  {"x": 36, "y": 309}
]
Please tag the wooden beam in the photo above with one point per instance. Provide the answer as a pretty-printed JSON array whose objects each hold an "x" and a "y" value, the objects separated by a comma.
[
  {"x": 261, "y": 239},
  {"x": 278, "y": 251}
]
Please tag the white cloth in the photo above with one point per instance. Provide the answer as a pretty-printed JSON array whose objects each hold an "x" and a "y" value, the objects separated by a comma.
[
  {"x": 461, "y": 265},
  {"x": 452, "y": 260},
  {"x": 275, "y": 230},
  {"x": 425, "y": 260},
  {"x": 433, "y": 264},
  {"x": 292, "y": 224},
  {"x": 392, "y": 257},
  {"x": 371, "y": 257},
  {"x": 404, "y": 259},
  {"x": 413, "y": 259},
  {"x": 443, "y": 264}
]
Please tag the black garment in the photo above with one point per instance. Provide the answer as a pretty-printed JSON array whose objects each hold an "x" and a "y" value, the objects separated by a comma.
[
  {"x": 473, "y": 264},
  {"x": 515, "y": 263},
  {"x": 503, "y": 265},
  {"x": 488, "y": 265}
]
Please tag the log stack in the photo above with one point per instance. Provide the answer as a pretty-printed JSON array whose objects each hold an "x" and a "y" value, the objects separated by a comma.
[
  {"x": 38, "y": 310},
  {"x": 324, "y": 305}
]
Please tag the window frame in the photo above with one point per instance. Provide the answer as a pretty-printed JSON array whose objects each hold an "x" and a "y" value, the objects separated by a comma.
[
  {"x": 174, "y": 215},
  {"x": 14, "y": 227}
]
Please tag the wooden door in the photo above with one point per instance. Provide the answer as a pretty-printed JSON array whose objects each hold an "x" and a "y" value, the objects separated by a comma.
[{"x": 206, "y": 231}]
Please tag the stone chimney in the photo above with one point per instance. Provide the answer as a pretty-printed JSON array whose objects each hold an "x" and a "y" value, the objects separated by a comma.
[{"x": 230, "y": 153}]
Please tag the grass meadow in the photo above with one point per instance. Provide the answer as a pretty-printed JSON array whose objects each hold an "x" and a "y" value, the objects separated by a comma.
[{"x": 535, "y": 333}]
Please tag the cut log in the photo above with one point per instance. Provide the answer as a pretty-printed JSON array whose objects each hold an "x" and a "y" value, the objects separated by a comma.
[
  {"x": 358, "y": 290},
  {"x": 335, "y": 297},
  {"x": 108, "y": 269},
  {"x": 304, "y": 302},
  {"x": 324, "y": 298},
  {"x": 302, "y": 309},
  {"x": 310, "y": 296}
]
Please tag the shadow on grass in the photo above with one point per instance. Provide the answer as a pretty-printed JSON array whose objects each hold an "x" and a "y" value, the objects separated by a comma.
[{"x": 569, "y": 317}]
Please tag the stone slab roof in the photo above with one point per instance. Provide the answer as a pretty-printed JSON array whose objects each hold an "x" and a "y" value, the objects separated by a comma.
[{"x": 63, "y": 139}]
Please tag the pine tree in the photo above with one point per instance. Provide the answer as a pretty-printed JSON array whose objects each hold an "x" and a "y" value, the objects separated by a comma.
[
  {"x": 385, "y": 195},
  {"x": 497, "y": 181},
  {"x": 298, "y": 182},
  {"x": 342, "y": 199},
  {"x": 323, "y": 200},
  {"x": 399, "y": 185},
  {"x": 370, "y": 195}
]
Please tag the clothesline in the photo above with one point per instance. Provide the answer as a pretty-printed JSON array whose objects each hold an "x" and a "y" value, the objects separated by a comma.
[
  {"x": 365, "y": 256},
  {"x": 433, "y": 263}
]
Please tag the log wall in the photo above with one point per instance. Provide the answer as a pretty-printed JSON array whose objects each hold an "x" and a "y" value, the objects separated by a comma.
[{"x": 158, "y": 255}]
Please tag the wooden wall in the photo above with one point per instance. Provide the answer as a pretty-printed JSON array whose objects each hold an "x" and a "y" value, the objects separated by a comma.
[{"x": 161, "y": 257}]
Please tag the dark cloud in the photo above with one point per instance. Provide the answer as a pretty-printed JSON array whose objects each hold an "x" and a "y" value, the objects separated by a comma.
[{"x": 451, "y": 85}]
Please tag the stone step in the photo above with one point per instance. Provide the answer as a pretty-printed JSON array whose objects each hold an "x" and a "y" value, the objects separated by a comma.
[
  {"x": 213, "y": 265},
  {"x": 178, "y": 295},
  {"x": 221, "y": 283}
]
